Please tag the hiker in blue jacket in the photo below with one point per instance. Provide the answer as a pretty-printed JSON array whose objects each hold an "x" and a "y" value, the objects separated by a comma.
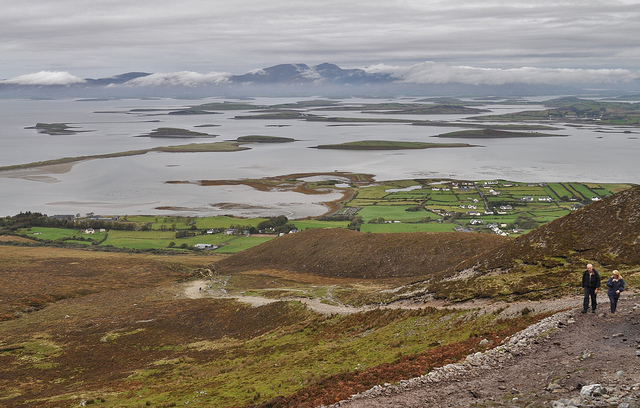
[
  {"x": 590, "y": 285},
  {"x": 616, "y": 285}
]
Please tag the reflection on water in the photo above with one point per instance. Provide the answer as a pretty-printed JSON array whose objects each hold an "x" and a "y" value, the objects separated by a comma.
[{"x": 138, "y": 184}]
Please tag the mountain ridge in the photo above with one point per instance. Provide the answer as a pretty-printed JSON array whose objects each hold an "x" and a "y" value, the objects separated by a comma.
[{"x": 296, "y": 79}]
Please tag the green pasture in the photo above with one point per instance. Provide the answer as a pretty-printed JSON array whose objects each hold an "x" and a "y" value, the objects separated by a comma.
[
  {"x": 310, "y": 223},
  {"x": 398, "y": 202},
  {"x": 603, "y": 190},
  {"x": 408, "y": 227},
  {"x": 446, "y": 197},
  {"x": 560, "y": 190},
  {"x": 408, "y": 195},
  {"x": 445, "y": 208},
  {"x": 152, "y": 239},
  {"x": 219, "y": 222},
  {"x": 550, "y": 215},
  {"x": 375, "y": 192},
  {"x": 162, "y": 239},
  {"x": 522, "y": 189},
  {"x": 393, "y": 213},
  {"x": 50, "y": 233},
  {"x": 46, "y": 233},
  {"x": 616, "y": 188},
  {"x": 158, "y": 232},
  {"x": 584, "y": 192}
]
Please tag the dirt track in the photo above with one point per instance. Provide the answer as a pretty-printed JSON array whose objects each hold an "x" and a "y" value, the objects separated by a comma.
[
  {"x": 585, "y": 349},
  {"x": 198, "y": 289},
  {"x": 588, "y": 349}
]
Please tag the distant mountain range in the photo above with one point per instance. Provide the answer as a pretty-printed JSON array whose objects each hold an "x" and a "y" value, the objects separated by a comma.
[
  {"x": 284, "y": 79},
  {"x": 304, "y": 74}
]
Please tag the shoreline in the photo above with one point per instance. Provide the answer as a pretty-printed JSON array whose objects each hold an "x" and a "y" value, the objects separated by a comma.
[
  {"x": 65, "y": 164},
  {"x": 40, "y": 172}
]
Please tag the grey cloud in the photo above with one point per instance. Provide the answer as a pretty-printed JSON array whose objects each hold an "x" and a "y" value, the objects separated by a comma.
[
  {"x": 45, "y": 78},
  {"x": 434, "y": 73},
  {"x": 99, "y": 38},
  {"x": 184, "y": 78}
]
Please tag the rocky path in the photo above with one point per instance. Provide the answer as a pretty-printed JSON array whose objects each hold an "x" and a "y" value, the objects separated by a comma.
[
  {"x": 199, "y": 289},
  {"x": 568, "y": 360}
]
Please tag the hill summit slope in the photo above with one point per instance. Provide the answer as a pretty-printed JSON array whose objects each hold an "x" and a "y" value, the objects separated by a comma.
[
  {"x": 568, "y": 360},
  {"x": 342, "y": 253},
  {"x": 606, "y": 232}
]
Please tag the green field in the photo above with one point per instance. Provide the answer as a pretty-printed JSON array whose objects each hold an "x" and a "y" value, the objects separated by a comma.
[{"x": 394, "y": 206}]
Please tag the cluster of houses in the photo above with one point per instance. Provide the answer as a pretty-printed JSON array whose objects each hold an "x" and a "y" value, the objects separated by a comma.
[
  {"x": 93, "y": 231},
  {"x": 206, "y": 246},
  {"x": 532, "y": 199}
]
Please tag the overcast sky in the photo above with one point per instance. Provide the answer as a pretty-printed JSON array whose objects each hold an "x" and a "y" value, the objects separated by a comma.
[{"x": 419, "y": 40}]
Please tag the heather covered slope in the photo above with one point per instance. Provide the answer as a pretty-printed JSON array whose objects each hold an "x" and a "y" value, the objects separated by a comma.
[
  {"x": 341, "y": 253},
  {"x": 606, "y": 232},
  {"x": 114, "y": 329},
  {"x": 549, "y": 260}
]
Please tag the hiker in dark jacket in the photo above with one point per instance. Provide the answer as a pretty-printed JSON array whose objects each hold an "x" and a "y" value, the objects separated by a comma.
[
  {"x": 616, "y": 285},
  {"x": 590, "y": 285}
]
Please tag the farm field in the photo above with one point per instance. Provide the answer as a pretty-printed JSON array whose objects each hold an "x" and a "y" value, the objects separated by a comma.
[{"x": 490, "y": 206}]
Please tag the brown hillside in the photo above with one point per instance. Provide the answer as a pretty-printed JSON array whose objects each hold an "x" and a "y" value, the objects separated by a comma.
[
  {"x": 349, "y": 254},
  {"x": 606, "y": 232}
]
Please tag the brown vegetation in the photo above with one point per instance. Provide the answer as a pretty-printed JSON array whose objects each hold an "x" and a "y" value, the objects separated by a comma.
[
  {"x": 109, "y": 327},
  {"x": 348, "y": 254},
  {"x": 605, "y": 232},
  {"x": 31, "y": 278}
]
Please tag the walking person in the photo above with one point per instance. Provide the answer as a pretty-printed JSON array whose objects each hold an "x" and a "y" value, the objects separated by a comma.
[
  {"x": 590, "y": 285},
  {"x": 615, "y": 285}
]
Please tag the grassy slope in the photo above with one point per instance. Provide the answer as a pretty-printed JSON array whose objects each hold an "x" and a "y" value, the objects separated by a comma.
[
  {"x": 121, "y": 336},
  {"x": 129, "y": 340},
  {"x": 348, "y": 254},
  {"x": 33, "y": 277},
  {"x": 549, "y": 260}
]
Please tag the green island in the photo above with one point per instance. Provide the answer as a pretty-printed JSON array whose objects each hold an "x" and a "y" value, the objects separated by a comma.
[
  {"x": 192, "y": 112},
  {"x": 54, "y": 129},
  {"x": 224, "y": 106},
  {"x": 492, "y": 134},
  {"x": 176, "y": 133},
  {"x": 409, "y": 108},
  {"x": 577, "y": 110},
  {"x": 264, "y": 139},
  {"x": 293, "y": 115},
  {"x": 188, "y": 148},
  {"x": 568, "y": 110},
  {"x": 389, "y": 145},
  {"x": 201, "y": 148}
]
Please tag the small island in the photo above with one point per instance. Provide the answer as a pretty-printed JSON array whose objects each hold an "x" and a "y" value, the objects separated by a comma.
[
  {"x": 201, "y": 148},
  {"x": 188, "y": 148},
  {"x": 175, "y": 133},
  {"x": 54, "y": 129},
  {"x": 193, "y": 111},
  {"x": 493, "y": 134},
  {"x": 389, "y": 145},
  {"x": 263, "y": 139}
]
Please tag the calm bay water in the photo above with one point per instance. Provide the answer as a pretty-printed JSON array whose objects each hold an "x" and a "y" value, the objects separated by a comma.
[{"x": 137, "y": 184}]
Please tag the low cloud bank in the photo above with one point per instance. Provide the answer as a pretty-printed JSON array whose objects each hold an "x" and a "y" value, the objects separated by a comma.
[
  {"x": 433, "y": 73},
  {"x": 423, "y": 73},
  {"x": 183, "y": 78},
  {"x": 45, "y": 78}
]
